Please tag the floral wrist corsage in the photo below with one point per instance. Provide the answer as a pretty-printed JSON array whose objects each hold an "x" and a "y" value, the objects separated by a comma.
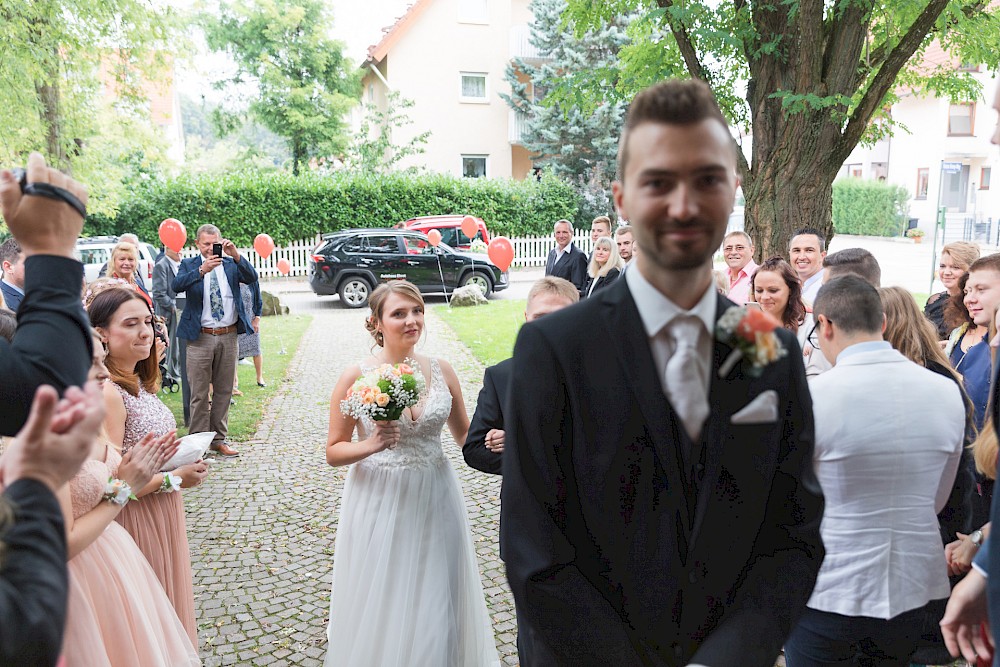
[
  {"x": 118, "y": 492},
  {"x": 171, "y": 483}
]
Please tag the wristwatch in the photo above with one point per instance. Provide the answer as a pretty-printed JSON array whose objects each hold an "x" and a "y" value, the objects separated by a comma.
[{"x": 976, "y": 538}]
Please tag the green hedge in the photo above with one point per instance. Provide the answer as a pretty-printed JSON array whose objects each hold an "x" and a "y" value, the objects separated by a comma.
[
  {"x": 290, "y": 208},
  {"x": 869, "y": 208}
]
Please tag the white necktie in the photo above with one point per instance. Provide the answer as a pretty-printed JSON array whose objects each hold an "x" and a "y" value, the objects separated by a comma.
[{"x": 685, "y": 385}]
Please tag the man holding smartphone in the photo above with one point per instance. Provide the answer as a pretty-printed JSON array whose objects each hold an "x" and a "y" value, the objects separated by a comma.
[{"x": 212, "y": 318}]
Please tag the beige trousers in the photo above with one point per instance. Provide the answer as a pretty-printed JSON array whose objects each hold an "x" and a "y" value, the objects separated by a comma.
[{"x": 211, "y": 359}]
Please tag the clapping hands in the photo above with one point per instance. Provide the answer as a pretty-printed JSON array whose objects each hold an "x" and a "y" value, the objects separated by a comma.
[
  {"x": 56, "y": 439},
  {"x": 140, "y": 463}
]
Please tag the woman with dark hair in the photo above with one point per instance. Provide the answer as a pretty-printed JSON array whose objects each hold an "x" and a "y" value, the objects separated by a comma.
[
  {"x": 125, "y": 324},
  {"x": 776, "y": 288}
]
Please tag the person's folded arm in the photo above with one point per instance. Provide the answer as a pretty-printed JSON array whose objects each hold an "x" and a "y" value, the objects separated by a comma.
[{"x": 486, "y": 418}]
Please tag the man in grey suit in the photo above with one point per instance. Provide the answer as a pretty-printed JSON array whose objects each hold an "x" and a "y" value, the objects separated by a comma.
[{"x": 168, "y": 304}]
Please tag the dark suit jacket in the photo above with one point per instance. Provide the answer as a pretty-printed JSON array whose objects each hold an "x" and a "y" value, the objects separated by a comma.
[
  {"x": 190, "y": 280},
  {"x": 622, "y": 550},
  {"x": 52, "y": 344},
  {"x": 989, "y": 556},
  {"x": 33, "y": 577},
  {"x": 11, "y": 296},
  {"x": 572, "y": 267},
  {"x": 602, "y": 282},
  {"x": 489, "y": 415}
]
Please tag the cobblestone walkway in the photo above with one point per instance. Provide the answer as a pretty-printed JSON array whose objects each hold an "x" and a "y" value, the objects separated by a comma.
[{"x": 262, "y": 527}]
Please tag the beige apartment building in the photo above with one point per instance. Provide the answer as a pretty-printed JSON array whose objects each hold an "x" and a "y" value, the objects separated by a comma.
[{"x": 449, "y": 58}]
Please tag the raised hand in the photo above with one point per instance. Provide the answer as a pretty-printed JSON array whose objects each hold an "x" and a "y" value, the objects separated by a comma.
[
  {"x": 140, "y": 463},
  {"x": 56, "y": 439},
  {"x": 41, "y": 225}
]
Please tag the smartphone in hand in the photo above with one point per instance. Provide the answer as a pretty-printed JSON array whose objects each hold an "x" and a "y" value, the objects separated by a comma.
[{"x": 217, "y": 249}]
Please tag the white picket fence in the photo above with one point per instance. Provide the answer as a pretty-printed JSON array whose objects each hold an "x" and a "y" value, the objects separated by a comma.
[{"x": 529, "y": 251}]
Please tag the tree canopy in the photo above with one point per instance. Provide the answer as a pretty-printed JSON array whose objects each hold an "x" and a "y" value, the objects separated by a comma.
[
  {"x": 305, "y": 86},
  {"x": 808, "y": 79}
]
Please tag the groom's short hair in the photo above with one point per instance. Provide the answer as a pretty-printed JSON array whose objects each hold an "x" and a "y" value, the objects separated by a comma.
[
  {"x": 671, "y": 102},
  {"x": 852, "y": 304}
]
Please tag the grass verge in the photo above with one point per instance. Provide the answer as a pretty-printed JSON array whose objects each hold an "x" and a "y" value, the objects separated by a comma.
[
  {"x": 490, "y": 330},
  {"x": 277, "y": 335}
]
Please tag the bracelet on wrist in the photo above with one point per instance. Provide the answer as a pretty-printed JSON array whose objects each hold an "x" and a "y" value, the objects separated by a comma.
[
  {"x": 171, "y": 483},
  {"x": 118, "y": 492}
]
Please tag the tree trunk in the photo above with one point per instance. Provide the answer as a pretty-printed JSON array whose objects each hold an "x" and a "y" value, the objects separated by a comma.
[
  {"x": 297, "y": 154},
  {"x": 792, "y": 191},
  {"x": 51, "y": 114}
]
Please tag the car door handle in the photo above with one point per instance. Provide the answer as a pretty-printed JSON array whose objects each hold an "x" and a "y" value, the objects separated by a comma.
[{"x": 411, "y": 262}]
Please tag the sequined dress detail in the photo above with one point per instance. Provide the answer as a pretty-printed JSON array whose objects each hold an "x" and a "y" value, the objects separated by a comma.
[{"x": 406, "y": 583}]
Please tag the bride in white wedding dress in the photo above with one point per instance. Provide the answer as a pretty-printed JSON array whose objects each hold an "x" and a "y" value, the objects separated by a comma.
[{"x": 406, "y": 586}]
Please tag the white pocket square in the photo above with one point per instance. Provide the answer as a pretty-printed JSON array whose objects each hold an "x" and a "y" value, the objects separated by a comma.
[{"x": 761, "y": 410}]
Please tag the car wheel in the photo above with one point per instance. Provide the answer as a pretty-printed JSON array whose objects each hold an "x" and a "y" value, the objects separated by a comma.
[
  {"x": 354, "y": 292},
  {"x": 480, "y": 280}
]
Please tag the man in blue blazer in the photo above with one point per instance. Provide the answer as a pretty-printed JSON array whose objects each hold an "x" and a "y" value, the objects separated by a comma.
[
  {"x": 12, "y": 285},
  {"x": 212, "y": 318}
]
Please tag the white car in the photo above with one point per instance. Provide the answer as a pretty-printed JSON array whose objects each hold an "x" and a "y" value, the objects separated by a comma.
[{"x": 95, "y": 252}]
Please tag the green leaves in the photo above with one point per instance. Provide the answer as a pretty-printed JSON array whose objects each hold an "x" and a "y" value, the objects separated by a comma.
[
  {"x": 868, "y": 208},
  {"x": 291, "y": 208}
]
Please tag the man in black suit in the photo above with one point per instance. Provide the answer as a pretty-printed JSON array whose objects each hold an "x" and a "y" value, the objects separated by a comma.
[
  {"x": 566, "y": 261},
  {"x": 484, "y": 444},
  {"x": 12, "y": 284},
  {"x": 52, "y": 345},
  {"x": 638, "y": 530}
]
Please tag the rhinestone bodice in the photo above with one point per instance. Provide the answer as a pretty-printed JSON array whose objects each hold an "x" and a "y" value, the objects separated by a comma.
[
  {"x": 144, "y": 413},
  {"x": 420, "y": 440}
]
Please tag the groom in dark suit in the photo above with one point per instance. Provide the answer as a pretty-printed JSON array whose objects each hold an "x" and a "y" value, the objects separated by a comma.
[{"x": 659, "y": 505}]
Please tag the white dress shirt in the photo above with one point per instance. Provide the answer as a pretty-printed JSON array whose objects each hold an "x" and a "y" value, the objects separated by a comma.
[
  {"x": 810, "y": 288},
  {"x": 657, "y": 311},
  {"x": 886, "y": 472},
  {"x": 228, "y": 306},
  {"x": 560, "y": 252}
]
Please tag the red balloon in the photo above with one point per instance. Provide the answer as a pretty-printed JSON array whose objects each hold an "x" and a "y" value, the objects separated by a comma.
[
  {"x": 284, "y": 266},
  {"x": 434, "y": 236},
  {"x": 173, "y": 235},
  {"x": 501, "y": 252},
  {"x": 263, "y": 245},
  {"x": 469, "y": 226}
]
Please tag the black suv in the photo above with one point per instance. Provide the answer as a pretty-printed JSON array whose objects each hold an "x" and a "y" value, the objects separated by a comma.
[{"x": 352, "y": 262}]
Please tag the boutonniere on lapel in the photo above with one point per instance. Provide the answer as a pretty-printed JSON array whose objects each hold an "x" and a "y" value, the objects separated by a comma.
[{"x": 750, "y": 333}]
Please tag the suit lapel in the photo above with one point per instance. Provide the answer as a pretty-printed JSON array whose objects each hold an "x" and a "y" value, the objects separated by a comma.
[
  {"x": 643, "y": 380},
  {"x": 725, "y": 396}
]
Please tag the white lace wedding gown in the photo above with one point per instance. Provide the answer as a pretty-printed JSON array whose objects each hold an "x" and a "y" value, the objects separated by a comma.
[{"x": 406, "y": 587}]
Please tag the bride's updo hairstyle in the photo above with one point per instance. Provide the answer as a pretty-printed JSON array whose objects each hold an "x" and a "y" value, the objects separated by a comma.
[{"x": 377, "y": 302}]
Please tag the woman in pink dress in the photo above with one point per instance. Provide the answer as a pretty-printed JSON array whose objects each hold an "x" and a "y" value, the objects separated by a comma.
[
  {"x": 117, "y": 611},
  {"x": 156, "y": 523}
]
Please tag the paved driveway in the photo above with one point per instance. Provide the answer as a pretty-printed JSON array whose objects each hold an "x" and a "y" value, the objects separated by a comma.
[{"x": 262, "y": 527}]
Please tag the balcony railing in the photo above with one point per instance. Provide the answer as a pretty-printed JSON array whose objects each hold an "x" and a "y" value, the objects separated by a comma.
[
  {"x": 517, "y": 126},
  {"x": 521, "y": 46}
]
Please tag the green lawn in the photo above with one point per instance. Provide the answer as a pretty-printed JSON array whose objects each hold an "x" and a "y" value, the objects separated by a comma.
[
  {"x": 921, "y": 298},
  {"x": 277, "y": 334},
  {"x": 490, "y": 330}
]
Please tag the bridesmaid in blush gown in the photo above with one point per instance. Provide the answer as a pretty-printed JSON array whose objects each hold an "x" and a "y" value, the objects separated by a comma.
[
  {"x": 406, "y": 587},
  {"x": 156, "y": 523},
  {"x": 117, "y": 612}
]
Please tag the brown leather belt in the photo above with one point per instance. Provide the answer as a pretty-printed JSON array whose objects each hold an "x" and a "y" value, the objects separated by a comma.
[{"x": 221, "y": 331}]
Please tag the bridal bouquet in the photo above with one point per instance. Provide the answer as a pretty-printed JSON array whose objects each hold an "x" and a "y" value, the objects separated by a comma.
[{"x": 384, "y": 392}]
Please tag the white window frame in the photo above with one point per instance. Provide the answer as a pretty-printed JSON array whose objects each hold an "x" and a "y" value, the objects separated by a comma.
[
  {"x": 476, "y": 156},
  {"x": 485, "y": 99},
  {"x": 465, "y": 17}
]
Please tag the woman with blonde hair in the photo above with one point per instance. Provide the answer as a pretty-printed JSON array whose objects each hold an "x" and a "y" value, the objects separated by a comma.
[
  {"x": 915, "y": 337},
  {"x": 420, "y": 601},
  {"x": 956, "y": 258},
  {"x": 605, "y": 265},
  {"x": 123, "y": 265}
]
